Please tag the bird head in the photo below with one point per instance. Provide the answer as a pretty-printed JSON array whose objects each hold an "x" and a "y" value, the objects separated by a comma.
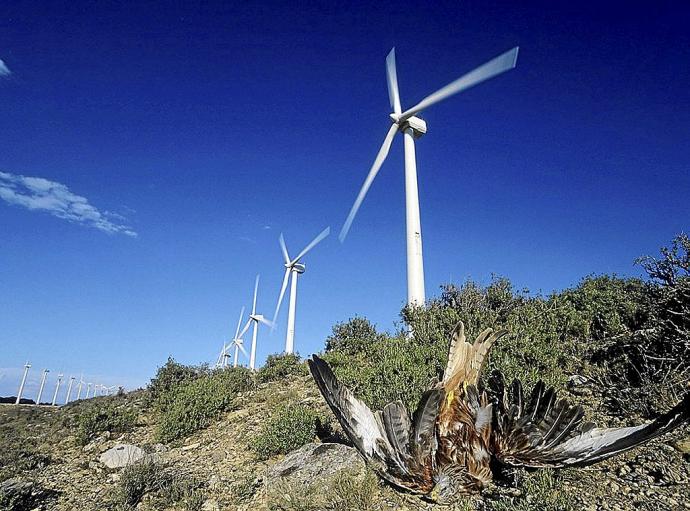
[{"x": 449, "y": 487}]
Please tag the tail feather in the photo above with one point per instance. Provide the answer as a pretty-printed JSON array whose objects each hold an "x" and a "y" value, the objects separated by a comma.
[{"x": 465, "y": 360}]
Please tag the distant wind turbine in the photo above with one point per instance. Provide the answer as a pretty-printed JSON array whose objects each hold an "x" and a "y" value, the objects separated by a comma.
[
  {"x": 81, "y": 382},
  {"x": 413, "y": 127},
  {"x": 294, "y": 267},
  {"x": 57, "y": 387},
  {"x": 43, "y": 383},
  {"x": 236, "y": 342},
  {"x": 27, "y": 366},
  {"x": 254, "y": 319},
  {"x": 69, "y": 389},
  {"x": 88, "y": 389}
]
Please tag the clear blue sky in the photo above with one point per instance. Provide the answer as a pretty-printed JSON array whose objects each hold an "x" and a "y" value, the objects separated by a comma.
[{"x": 173, "y": 145}]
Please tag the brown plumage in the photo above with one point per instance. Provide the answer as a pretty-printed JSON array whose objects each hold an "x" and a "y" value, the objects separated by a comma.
[{"x": 445, "y": 448}]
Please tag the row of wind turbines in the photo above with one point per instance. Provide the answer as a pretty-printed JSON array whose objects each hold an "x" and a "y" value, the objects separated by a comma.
[
  {"x": 98, "y": 389},
  {"x": 412, "y": 127}
]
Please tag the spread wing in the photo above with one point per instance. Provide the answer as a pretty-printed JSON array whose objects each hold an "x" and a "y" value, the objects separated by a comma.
[
  {"x": 550, "y": 432},
  {"x": 465, "y": 360},
  {"x": 401, "y": 449}
]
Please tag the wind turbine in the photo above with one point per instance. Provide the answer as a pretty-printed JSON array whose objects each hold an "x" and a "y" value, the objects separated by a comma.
[
  {"x": 88, "y": 389},
  {"x": 222, "y": 361},
  {"x": 293, "y": 267},
  {"x": 57, "y": 387},
  {"x": 254, "y": 319},
  {"x": 69, "y": 389},
  {"x": 413, "y": 127},
  {"x": 27, "y": 366},
  {"x": 81, "y": 382},
  {"x": 43, "y": 383}
]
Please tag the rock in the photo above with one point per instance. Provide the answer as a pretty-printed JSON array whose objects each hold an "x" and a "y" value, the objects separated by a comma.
[
  {"x": 683, "y": 446},
  {"x": 576, "y": 380},
  {"x": 313, "y": 463},
  {"x": 122, "y": 455},
  {"x": 210, "y": 505},
  {"x": 18, "y": 494},
  {"x": 191, "y": 447}
]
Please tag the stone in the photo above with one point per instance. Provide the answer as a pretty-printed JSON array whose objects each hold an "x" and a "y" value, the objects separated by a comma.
[
  {"x": 191, "y": 447},
  {"x": 122, "y": 455},
  {"x": 18, "y": 494},
  {"x": 683, "y": 445},
  {"x": 576, "y": 380},
  {"x": 313, "y": 463}
]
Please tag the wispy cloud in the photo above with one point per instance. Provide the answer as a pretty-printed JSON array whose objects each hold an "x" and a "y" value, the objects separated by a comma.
[
  {"x": 39, "y": 194},
  {"x": 4, "y": 70}
]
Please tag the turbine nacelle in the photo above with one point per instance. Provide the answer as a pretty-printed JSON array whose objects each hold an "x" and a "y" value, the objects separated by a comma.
[{"x": 296, "y": 267}]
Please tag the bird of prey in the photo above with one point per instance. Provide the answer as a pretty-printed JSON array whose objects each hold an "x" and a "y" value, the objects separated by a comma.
[{"x": 446, "y": 448}]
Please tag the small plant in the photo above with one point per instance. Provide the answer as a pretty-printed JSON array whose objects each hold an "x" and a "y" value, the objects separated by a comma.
[
  {"x": 280, "y": 366},
  {"x": 349, "y": 491},
  {"x": 104, "y": 417},
  {"x": 289, "y": 428},
  {"x": 168, "y": 487},
  {"x": 138, "y": 479},
  {"x": 244, "y": 489},
  {"x": 192, "y": 405},
  {"x": 540, "y": 492}
]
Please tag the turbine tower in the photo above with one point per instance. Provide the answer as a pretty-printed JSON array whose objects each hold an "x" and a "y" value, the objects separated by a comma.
[
  {"x": 81, "y": 382},
  {"x": 293, "y": 268},
  {"x": 69, "y": 389},
  {"x": 412, "y": 128},
  {"x": 57, "y": 387},
  {"x": 43, "y": 383},
  {"x": 254, "y": 319},
  {"x": 27, "y": 366}
]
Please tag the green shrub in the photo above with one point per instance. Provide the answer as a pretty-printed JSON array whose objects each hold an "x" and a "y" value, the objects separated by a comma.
[
  {"x": 168, "y": 377},
  {"x": 168, "y": 487},
  {"x": 289, "y": 428},
  {"x": 353, "y": 336},
  {"x": 192, "y": 405},
  {"x": 100, "y": 417},
  {"x": 280, "y": 366},
  {"x": 138, "y": 479}
]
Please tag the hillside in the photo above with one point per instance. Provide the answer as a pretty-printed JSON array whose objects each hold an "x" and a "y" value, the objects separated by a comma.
[
  {"x": 216, "y": 468},
  {"x": 232, "y": 439}
]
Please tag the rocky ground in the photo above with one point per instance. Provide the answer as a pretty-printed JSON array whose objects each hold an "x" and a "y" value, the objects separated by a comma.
[{"x": 45, "y": 467}]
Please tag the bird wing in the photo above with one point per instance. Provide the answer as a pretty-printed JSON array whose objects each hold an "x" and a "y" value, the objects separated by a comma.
[
  {"x": 550, "y": 432},
  {"x": 400, "y": 449},
  {"x": 465, "y": 360}
]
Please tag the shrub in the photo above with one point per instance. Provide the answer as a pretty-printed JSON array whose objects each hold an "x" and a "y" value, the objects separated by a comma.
[
  {"x": 352, "y": 336},
  {"x": 168, "y": 377},
  {"x": 290, "y": 427},
  {"x": 191, "y": 405},
  {"x": 280, "y": 366},
  {"x": 100, "y": 417},
  {"x": 169, "y": 487}
]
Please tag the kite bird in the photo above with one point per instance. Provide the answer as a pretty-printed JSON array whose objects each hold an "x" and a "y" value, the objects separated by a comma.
[{"x": 446, "y": 448}]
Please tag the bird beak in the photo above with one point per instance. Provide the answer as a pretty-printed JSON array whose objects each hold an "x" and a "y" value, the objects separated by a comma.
[{"x": 434, "y": 494}]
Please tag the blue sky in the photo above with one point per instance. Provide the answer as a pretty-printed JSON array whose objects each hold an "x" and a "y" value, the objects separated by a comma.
[{"x": 167, "y": 147}]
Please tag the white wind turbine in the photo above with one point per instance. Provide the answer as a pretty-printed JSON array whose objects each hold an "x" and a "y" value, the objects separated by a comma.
[
  {"x": 57, "y": 387},
  {"x": 43, "y": 384},
  {"x": 236, "y": 342},
  {"x": 27, "y": 366},
  {"x": 69, "y": 389},
  {"x": 81, "y": 382},
  {"x": 294, "y": 267},
  {"x": 413, "y": 127},
  {"x": 254, "y": 319}
]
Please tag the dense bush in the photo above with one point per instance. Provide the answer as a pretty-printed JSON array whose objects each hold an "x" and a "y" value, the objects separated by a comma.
[
  {"x": 289, "y": 428},
  {"x": 168, "y": 377},
  {"x": 624, "y": 332},
  {"x": 280, "y": 366},
  {"x": 100, "y": 417},
  {"x": 193, "y": 404}
]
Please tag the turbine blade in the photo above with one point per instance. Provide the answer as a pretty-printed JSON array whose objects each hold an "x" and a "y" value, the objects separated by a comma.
[
  {"x": 281, "y": 240},
  {"x": 312, "y": 244},
  {"x": 380, "y": 157},
  {"x": 239, "y": 322},
  {"x": 392, "y": 79},
  {"x": 282, "y": 293},
  {"x": 496, "y": 66},
  {"x": 243, "y": 350},
  {"x": 246, "y": 327},
  {"x": 265, "y": 321},
  {"x": 256, "y": 290}
]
